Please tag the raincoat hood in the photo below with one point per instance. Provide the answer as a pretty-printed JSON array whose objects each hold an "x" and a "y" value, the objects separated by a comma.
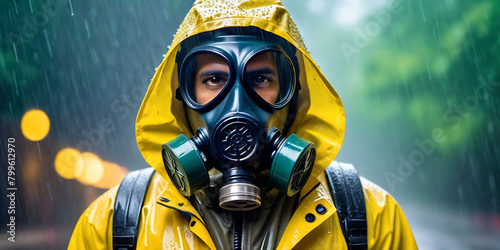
[{"x": 320, "y": 117}]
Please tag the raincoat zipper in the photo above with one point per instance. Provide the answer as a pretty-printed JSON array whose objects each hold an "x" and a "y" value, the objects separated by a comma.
[{"x": 238, "y": 230}]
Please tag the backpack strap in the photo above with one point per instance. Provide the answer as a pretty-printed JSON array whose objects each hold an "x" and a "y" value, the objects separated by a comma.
[
  {"x": 347, "y": 193},
  {"x": 128, "y": 205}
]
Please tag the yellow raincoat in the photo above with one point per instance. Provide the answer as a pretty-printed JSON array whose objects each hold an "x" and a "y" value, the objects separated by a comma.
[{"x": 320, "y": 119}]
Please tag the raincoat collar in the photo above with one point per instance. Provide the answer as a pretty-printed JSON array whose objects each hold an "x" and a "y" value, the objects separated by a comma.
[
  {"x": 305, "y": 218},
  {"x": 308, "y": 215},
  {"x": 170, "y": 198}
]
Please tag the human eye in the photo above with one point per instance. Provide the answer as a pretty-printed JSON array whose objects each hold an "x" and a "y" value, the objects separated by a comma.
[
  {"x": 214, "y": 81},
  {"x": 260, "y": 81}
]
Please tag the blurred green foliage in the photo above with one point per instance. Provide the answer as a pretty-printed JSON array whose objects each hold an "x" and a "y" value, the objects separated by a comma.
[
  {"x": 435, "y": 68},
  {"x": 20, "y": 62},
  {"x": 421, "y": 86}
]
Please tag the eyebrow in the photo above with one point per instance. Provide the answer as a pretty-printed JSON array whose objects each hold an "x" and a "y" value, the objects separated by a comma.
[
  {"x": 213, "y": 73},
  {"x": 262, "y": 71}
]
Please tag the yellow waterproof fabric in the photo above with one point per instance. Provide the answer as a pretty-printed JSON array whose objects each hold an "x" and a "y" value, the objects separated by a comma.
[
  {"x": 163, "y": 226},
  {"x": 320, "y": 119}
]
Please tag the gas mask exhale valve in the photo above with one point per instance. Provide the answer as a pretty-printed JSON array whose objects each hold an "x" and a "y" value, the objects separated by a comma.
[{"x": 234, "y": 88}]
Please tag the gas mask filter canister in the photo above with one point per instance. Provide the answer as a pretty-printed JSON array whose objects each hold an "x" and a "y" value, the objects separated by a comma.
[{"x": 235, "y": 88}]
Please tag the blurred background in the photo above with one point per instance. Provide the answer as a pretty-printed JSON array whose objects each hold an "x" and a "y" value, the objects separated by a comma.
[{"x": 419, "y": 81}]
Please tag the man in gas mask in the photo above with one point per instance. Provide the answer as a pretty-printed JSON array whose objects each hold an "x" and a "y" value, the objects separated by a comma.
[{"x": 240, "y": 124}]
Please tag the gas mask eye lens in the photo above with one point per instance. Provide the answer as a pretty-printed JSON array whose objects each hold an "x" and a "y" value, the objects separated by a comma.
[
  {"x": 270, "y": 76},
  {"x": 203, "y": 77}
]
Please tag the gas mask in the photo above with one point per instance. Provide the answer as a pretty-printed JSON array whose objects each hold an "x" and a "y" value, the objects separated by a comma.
[{"x": 240, "y": 88}]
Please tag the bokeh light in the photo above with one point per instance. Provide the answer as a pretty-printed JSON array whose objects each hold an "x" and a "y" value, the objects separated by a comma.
[
  {"x": 92, "y": 170},
  {"x": 67, "y": 162},
  {"x": 88, "y": 168},
  {"x": 35, "y": 125},
  {"x": 113, "y": 175}
]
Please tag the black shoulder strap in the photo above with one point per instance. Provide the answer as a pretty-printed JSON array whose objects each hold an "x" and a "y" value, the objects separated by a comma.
[
  {"x": 347, "y": 193},
  {"x": 128, "y": 205}
]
